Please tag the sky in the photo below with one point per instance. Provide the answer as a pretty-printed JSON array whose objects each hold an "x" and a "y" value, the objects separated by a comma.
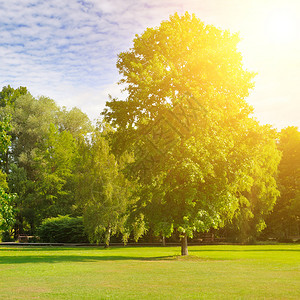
[{"x": 67, "y": 49}]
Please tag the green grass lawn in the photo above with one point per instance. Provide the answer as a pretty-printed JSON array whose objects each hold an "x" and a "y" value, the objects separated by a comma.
[{"x": 210, "y": 272}]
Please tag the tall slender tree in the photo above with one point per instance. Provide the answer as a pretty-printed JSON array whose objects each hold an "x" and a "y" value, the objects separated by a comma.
[
  {"x": 284, "y": 222},
  {"x": 103, "y": 192}
]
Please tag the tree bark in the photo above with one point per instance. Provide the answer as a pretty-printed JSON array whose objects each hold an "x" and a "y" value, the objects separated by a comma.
[
  {"x": 107, "y": 237},
  {"x": 184, "y": 245},
  {"x": 163, "y": 241}
]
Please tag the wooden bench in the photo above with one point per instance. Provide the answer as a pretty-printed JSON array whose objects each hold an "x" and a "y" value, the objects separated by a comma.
[
  {"x": 24, "y": 238},
  {"x": 207, "y": 238}
]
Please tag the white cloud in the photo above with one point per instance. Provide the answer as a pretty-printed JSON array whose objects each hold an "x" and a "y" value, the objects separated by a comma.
[{"x": 67, "y": 50}]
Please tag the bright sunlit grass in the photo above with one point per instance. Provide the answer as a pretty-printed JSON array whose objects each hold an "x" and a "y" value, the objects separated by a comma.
[{"x": 210, "y": 272}]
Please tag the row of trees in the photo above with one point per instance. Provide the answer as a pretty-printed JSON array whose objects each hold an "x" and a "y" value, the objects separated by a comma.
[
  {"x": 180, "y": 154},
  {"x": 40, "y": 159}
]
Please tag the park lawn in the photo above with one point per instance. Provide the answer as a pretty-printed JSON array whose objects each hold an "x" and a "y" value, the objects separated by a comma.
[{"x": 209, "y": 272}]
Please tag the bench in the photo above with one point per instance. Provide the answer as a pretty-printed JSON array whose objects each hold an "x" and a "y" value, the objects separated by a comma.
[{"x": 23, "y": 238}]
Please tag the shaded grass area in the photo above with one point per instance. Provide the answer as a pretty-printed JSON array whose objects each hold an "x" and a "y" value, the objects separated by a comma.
[{"x": 209, "y": 272}]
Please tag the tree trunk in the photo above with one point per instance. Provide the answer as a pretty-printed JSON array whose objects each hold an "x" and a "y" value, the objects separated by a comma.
[
  {"x": 107, "y": 237},
  {"x": 18, "y": 227},
  {"x": 184, "y": 245},
  {"x": 163, "y": 241}
]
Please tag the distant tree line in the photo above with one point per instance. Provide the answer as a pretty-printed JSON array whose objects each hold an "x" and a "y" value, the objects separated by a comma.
[{"x": 180, "y": 155}]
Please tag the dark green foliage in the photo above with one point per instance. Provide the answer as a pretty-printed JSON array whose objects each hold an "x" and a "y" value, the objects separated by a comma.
[
  {"x": 62, "y": 229},
  {"x": 6, "y": 237}
]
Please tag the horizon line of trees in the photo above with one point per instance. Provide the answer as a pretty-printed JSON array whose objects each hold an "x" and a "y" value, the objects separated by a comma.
[
  {"x": 59, "y": 158},
  {"x": 180, "y": 155},
  {"x": 53, "y": 159}
]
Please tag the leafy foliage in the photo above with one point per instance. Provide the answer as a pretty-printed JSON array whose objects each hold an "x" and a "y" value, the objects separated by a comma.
[
  {"x": 102, "y": 189},
  {"x": 257, "y": 154},
  {"x": 7, "y": 211},
  {"x": 8, "y": 95},
  {"x": 4, "y": 129},
  {"x": 285, "y": 219},
  {"x": 55, "y": 163},
  {"x": 74, "y": 121}
]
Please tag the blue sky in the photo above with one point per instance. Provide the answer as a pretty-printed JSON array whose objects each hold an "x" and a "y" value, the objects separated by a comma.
[{"x": 67, "y": 50}]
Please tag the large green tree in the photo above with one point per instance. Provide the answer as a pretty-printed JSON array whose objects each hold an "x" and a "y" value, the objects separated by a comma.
[
  {"x": 41, "y": 159},
  {"x": 31, "y": 118},
  {"x": 187, "y": 122}
]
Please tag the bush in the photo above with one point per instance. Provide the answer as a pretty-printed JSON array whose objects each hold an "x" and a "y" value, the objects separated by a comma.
[
  {"x": 6, "y": 237},
  {"x": 62, "y": 229}
]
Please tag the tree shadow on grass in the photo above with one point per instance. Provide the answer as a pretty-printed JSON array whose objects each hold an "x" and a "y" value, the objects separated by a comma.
[
  {"x": 23, "y": 259},
  {"x": 74, "y": 258},
  {"x": 47, "y": 248},
  {"x": 61, "y": 255}
]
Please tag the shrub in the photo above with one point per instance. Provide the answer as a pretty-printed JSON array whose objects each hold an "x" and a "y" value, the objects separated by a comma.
[
  {"x": 62, "y": 229},
  {"x": 6, "y": 237}
]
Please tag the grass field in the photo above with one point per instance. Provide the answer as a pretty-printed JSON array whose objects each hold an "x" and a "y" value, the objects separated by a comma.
[{"x": 210, "y": 272}]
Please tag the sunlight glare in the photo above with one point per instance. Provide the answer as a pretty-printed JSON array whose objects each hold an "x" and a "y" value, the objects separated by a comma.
[
  {"x": 272, "y": 31},
  {"x": 280, "y": 27}
]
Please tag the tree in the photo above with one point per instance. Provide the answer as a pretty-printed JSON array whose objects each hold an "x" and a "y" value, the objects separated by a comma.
[
  {"x": 285, "y": 218},
  {"x": 257, "y": 152},
  {"x": 102, "y": 191},
  {"x": 23, "y": 189},
  {"x": 41, "y": 159},
  {"x": 54, "y": 164},
  {"x": 8, "y": 95},
  {"x": 183, "y": 119},
  {"x": 30, "y": 125}
]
